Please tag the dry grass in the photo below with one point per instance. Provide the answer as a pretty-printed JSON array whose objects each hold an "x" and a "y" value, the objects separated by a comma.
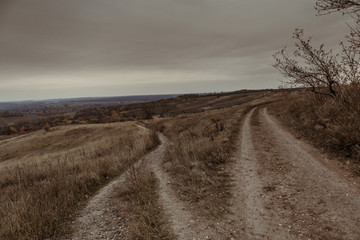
[
  {"x": 44, "y": 176},
  {"x": 327, "y": 122},
  {"x": 197, "y": 157},
  {"x": 200, "y": 153},
  {"x": 145, "y": 217}
]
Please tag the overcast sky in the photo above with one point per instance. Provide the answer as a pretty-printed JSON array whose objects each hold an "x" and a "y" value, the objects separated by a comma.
[{"x": 79, "y": 48}]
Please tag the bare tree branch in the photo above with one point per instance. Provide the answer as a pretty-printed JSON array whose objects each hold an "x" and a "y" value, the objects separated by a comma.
[
  {"x": 324, "y": 72},
  {"x": 344, "y": 6},
  {"x": 310, "y": 67}
]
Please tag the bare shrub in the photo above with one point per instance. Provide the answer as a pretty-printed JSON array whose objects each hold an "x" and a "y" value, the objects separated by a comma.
[{"x": 325, "y": 72}]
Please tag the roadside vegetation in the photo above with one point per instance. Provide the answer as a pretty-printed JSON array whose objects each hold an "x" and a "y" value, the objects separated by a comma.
[
  {"x": 146, "y": 219},
  {"x": 45, "y": 176},
  {"x": 326, "y": 122}
]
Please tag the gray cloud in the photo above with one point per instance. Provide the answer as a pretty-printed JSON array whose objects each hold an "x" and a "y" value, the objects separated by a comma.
[{"x": 50, "y": 47}]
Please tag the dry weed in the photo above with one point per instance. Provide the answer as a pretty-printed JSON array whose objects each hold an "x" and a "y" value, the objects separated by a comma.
[
  {"x": 197, "y": 157},
  {"x": 145, "y": 217},
  {"x": 45, "y": 176},
  {"x": 327, "y": 122}
]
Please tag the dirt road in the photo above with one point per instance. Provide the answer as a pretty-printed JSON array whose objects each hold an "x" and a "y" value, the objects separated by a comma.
[
  {"x": 285, "y": 191},
  {"x": 99, "y": 219}
]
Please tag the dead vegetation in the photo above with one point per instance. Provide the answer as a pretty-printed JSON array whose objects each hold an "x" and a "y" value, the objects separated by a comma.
[
  {"x": 327, "y": 122},
  {"x": 44, "y": 176},
  {"x": 198, "y": 155},
  {"x": 145, "y": 218},
  {"x": 47, "y": 175}
]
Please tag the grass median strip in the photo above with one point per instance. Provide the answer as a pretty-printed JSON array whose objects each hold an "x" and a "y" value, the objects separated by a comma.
[
  {"x": 198, "y": 156},
  {"x": 146, "y": 219}
]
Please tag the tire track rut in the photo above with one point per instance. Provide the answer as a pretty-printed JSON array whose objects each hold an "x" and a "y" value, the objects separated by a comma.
[
  {"x": 312, "y": 200},
  {"x": 249, "y": 212}
]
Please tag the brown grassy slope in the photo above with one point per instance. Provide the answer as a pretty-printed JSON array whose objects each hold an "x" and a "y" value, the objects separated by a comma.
[
  {"x": 202, "y": 103},
  {"x": 146, "y": 219},
  {"x": 46, "y": 174},
  {"x": 326, "y": 122},
  {"x": 191, "y": 103}
]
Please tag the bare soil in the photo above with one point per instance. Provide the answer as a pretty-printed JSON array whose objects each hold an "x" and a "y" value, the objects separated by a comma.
[
  {"x": 99, "y": 220},
  {"x": 248, "y": 205}
]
